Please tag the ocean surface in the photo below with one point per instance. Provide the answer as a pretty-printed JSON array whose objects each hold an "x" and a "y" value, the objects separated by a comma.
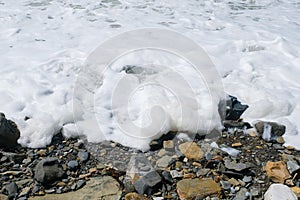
[{"x": 254, "y": 45}]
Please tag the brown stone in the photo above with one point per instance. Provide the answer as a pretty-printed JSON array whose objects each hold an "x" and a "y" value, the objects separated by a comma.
[
  {"x": 191, "y": 150},
  {"x": 189, "y": 189},
  {"x": 296, "y": 190},
  {"x": 238, "y": 144},
  {"x": 277, "y": 171},
  {"x": 135, "y": 196}
]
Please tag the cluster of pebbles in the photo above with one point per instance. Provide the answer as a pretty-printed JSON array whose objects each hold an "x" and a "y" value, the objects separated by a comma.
[
  {"x": 242, "y": 162},
  {"x": 237, "y": 165}
]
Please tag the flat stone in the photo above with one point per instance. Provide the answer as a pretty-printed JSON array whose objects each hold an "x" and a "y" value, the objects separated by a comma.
[
  {"x": 168, "y": 145},
  {"x": 191, "y": 150},
  {"x": 235, "y": 166},
  {"x": 104, "y": 187},
  {"x": 135, "y": 196},
  {"x": 164, "y": 161},
  {"x": 277, "y": 171},
  {"x": 279, "y": 192},
  {"x": 148, "y": 183},
  {"x": 197, "y": 188},
  {"x": 202, "y": 172},
  {"x": 25, "y": 191},
  {"x": 241, "y": 194},
  {"x": 292, "y": 166}
]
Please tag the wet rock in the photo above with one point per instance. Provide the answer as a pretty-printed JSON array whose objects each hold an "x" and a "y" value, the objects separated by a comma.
[
  {"x": 135, "y": 196},
  {"x": 234, "y": 182},
  {"x": 83, "y": 156},
  {"x": 279, "y": 192},
  {"x": 269, "y": 131},
  {"x": 73, "y": 164},
  {"x": 233, "y": 165},
  {"x": 104, "y": 187},
  {"x": 9, "y": 133},
  {"x": 277, "y": 171},
  {"x": 164, "y": 161},
  {"x": 292, "y": 166},
  {"x": 234, "y": 108},
  {"x": 12, "y": 190},
  {"x": 148, "y": 183},
  {"x": 48, "y": 170},
  {"x": 197, "y": 188},
  {"x": 191, "y": 150}
]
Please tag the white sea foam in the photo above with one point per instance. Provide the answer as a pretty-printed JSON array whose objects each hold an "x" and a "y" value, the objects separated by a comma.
[{"x": 44, "y": 43}]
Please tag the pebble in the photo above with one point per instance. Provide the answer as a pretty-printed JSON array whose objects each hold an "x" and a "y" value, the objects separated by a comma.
[
  {"x": 164, "y": 161},
  {"x": 73, "y": 164},
  {"x": 247, "y": 179},
  {"x": 148, "y": 183},
  {"x": 175, "y": 174},
  {"x": 83, "y": 156}
]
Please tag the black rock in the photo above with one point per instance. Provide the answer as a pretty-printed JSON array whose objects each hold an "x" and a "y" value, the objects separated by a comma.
[
  {"x": 167, "y": 176},
  {"x": 73, "y": 164},
  {"x": 48, "y": 170},
  {"x": 83, "y": 156},
  {"x": 12, "y": 190},
  {"x": 234, "y": 108},
  {"x": 148, "y": 184},
  {"x": 9, "y": 133},
  {"x": 236, "y": 124}
]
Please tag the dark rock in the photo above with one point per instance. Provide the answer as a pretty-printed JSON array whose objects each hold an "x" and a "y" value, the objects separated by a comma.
[
  {"x": 276, "y": 131},
  {"x": 83, "y": 156},
  {"x": 234, "y": 108},
  {"x": 148, "y": 184},
  {"x": 48, "y": 170},
  {"x": 9, "y": 133},
  {"x": 236, "y": 124},
  {"x": 12, "y": 190},
  {"x": 73, "y": 164},
  {"x": 167, "y": 176}
]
